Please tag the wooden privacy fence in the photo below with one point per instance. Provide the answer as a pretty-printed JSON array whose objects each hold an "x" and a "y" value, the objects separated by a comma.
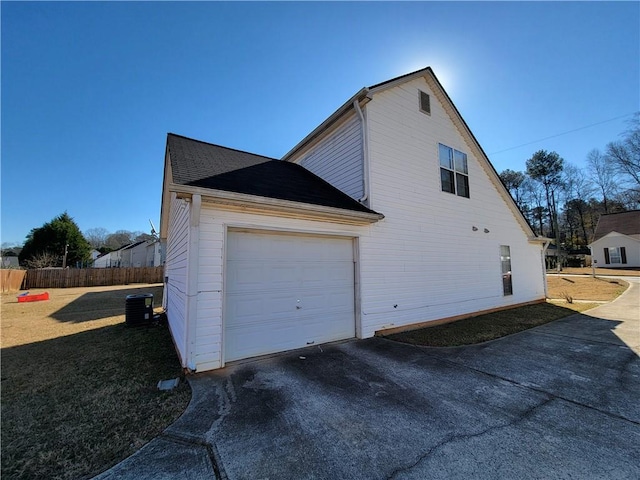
[
  {"x": 90, "y": 277},
  {"x": 11, "y": 280}
]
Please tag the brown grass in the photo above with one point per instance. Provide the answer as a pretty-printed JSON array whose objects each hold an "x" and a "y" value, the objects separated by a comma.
[
  {"x": 78, "y": 386},
  {"x": 498, "y": 324},
  {"x": 483, "y": 328},
  {"x": 584, "y": 288}
]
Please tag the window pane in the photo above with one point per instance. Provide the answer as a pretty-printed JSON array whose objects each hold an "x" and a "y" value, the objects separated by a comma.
[
  {"x": 505, "y": 261},
  {"x": 446, "y": 156},
  {"x": 446, "y": 177},
  {"x": 462, "y": 185},
  {"x": 507, "y": 286},
  {"x": 461, "y": 162},
  {"x": 614, "y": 255}
]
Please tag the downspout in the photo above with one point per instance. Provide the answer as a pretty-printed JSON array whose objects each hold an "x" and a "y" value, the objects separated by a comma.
[
  {"x": 192, "y": 279},
  {"x": 365, "y": 153}
]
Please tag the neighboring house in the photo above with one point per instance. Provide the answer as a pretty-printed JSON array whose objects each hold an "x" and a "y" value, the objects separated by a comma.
[
  {"x": 134, "y": 255},
  {"x": 153, "y": 254},
  {"x": 138, "y": 254},
  {"x": 616, "y": 241},
  {"x": 103, "y": 261},
  {"x": 386, "y": 216}
]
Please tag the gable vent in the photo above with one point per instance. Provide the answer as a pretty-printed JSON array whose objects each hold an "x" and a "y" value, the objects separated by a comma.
[{"x": 425, "y": 103}]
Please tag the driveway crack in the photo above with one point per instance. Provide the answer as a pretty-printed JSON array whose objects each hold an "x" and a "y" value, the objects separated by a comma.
[{"x": 454, "y": 438}]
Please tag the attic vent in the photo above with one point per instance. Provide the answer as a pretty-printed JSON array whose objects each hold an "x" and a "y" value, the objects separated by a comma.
[{"x": 425, "y": 103}]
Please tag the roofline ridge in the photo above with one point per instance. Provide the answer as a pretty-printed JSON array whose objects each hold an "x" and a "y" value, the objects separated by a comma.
[
  {"x": 220, "y": 146},
  {"x": 618, "y": 213}
]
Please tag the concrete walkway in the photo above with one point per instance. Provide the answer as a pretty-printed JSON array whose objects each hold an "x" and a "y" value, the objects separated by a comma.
[{"x": 557, "y": 401}]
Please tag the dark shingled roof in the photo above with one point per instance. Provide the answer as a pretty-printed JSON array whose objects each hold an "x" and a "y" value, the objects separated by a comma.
[
  {"x": 626, "y": 223},
  {"x": 200, "y": 164}
]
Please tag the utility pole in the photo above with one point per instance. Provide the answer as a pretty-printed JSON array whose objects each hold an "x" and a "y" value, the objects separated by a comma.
[{"x": 64, "y": 259}]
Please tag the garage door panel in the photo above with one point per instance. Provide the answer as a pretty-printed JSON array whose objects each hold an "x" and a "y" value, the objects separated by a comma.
[
  {"x": 261, "y": 305},
  {"x": 286, "y": 291},
  {"x": 244, "y": 275}
]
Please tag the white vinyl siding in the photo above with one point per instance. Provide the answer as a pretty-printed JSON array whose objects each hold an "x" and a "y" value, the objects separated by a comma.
[
  {"x": 425, "y": 261},
  {"x": 176, "y": 273},
  {"x": 337, "y": 158}
]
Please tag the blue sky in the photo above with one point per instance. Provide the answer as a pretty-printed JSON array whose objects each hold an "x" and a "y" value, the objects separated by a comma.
[{"x": 90, "y": 90}]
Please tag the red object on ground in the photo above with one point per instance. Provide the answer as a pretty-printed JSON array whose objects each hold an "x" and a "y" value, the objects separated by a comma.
[{"x": 33, "y": 298}]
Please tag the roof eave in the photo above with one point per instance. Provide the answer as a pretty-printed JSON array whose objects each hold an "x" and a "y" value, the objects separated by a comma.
[
  {"x": 166, "y": 196},
  {"x": 617, "y": 234},
  {"x": 277, "y": 207},
  {"x": 536, "y": 239},
  {"x": 335, "y": 116}
]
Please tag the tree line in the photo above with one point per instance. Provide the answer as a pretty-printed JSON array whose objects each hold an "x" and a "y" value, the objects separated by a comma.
[
  {"x": 60, "y": 243},
  {"x": 564, "y": 202}
]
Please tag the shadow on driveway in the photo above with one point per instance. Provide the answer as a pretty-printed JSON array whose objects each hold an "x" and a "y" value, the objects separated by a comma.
[{"x": 558, "y": 401}]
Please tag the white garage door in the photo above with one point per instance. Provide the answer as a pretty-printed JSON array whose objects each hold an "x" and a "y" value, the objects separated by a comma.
[{"x": 286, "y": 291}]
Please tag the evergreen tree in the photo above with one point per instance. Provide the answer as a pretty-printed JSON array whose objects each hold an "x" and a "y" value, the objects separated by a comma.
[{"x": 54, "y": 238}]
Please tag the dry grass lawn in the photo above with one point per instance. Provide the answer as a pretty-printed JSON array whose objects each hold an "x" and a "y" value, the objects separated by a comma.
[
  {"x": 487, "y": 327},
  {"x": 79, "y": 387},
  {"x": 584, "y": 288}
]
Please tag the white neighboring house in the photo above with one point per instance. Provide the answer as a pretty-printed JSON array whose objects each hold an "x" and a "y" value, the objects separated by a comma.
[
  {"x": 139, "y": 254},
  {"x": 388, "y": 215},
  {"x": 154, "y": 255},
  {"x": 616, "y": 241},
  {"x": 103, "y": 261},
  {"x": 134, "y": 255}
]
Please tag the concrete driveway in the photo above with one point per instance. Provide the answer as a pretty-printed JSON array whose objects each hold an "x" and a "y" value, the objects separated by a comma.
[{"x": 558, "y": 401}]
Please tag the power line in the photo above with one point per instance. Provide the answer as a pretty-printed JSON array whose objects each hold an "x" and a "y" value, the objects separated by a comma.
[{"x": 563, "y": 133}]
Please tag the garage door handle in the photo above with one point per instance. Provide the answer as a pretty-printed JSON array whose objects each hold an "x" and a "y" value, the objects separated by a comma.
[
  {"x": 298, "y": 307},
  {"x": 311, "y": 343}
]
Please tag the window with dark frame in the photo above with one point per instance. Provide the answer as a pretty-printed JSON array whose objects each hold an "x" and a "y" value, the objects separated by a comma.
[
  {"x": 454, "y": 171},
  {"x": 615, "y": 255}
]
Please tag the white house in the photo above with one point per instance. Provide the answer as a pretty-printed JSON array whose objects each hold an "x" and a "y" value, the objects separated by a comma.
[
  {"x": 153, "y": 254},
  {"x": 103, "y": 261},
  {"x": 138, "y": 254},
  {"x": 388, "y": 215},
  {"x": 616, "y": 241},
  {"x": 134, "y": 255}
]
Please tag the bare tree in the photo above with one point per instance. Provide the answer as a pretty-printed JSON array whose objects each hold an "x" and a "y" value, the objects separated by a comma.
[
  {"x": 119, "y": 239},
  {"x": 625, "y": 154},
  {"x": 43, "y": 260},
  {"x": 97, "y": 237},
  {"x": 604, "y": 176}
]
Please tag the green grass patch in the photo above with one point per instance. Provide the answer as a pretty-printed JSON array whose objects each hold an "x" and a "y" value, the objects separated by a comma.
[{"x": 484, "y": 327}]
